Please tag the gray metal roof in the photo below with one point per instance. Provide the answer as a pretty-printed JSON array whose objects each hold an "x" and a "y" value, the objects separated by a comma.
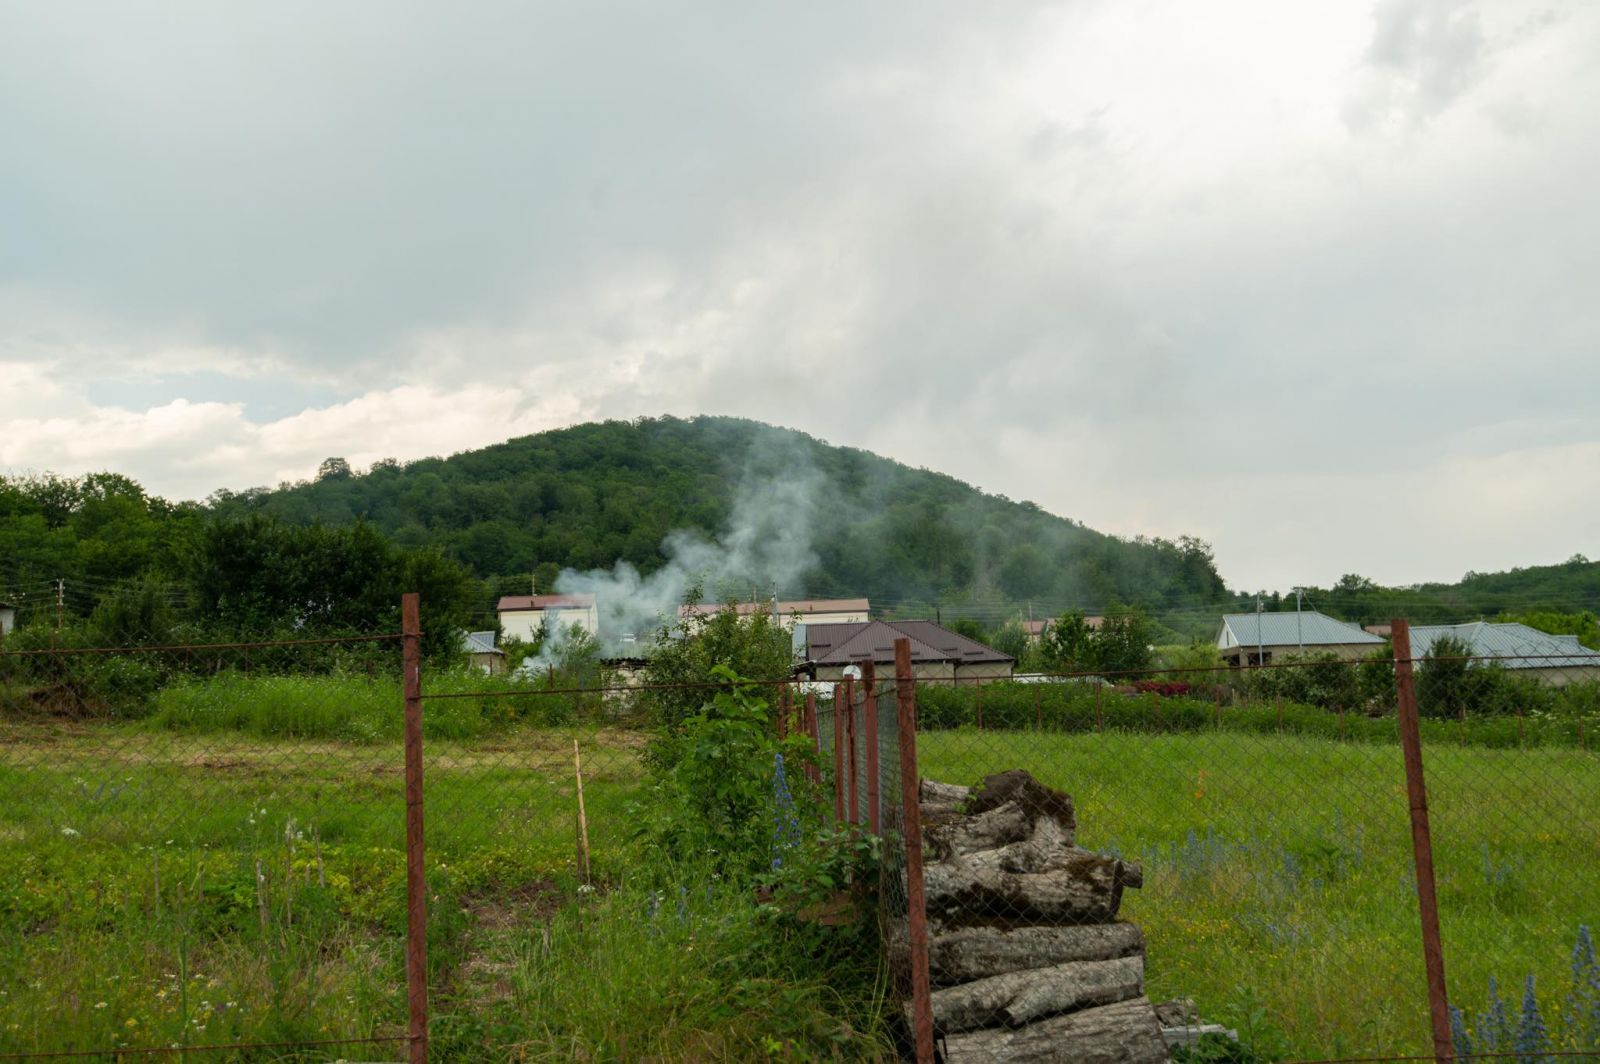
[
  {"x": 1517, "y": 645},
  {"x": 479, "y": 643},
  {"x": 1307, "y": 627}
]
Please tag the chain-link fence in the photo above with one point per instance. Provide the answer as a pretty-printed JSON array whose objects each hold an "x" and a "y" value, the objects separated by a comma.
[
  {"x": 201, "y": 845},
  {"x": 1213, "y": 862},
  {"x": 225, "y": 845}
]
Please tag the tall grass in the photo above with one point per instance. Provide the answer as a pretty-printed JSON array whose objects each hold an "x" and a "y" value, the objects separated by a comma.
[
  {"x": 1279, "y": 875},
  {"x": 1278, "y": 891},
  {"x": 697, "y": 972},
  {"x": 1087, "y": 707},
  {"x": 360, "y": 708}
]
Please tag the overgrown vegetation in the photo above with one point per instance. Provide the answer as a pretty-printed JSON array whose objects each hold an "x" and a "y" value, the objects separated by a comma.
[
  {"x": 1567, "y": 716},
  {"x": 1275, "y": 867}
]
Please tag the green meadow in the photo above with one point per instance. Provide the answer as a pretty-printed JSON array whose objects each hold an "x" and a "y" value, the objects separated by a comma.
[{"x": 186, "y": 880}]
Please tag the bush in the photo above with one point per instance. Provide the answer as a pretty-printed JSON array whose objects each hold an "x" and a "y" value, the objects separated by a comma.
[
  {"x": 351, "y": 708},
  {"x": 726, "y": 790},
  {"x": 691, "y": 651}
]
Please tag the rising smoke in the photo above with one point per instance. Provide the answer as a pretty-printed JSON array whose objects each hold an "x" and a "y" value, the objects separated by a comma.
[{"x": 766, "y": 546}]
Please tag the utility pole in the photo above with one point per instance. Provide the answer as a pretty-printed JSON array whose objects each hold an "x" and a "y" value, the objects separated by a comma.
[
  {"x": 61, "y": 605},
  {"x": 1261, "y": 642},
  {"x": 1298, "y": 631}
]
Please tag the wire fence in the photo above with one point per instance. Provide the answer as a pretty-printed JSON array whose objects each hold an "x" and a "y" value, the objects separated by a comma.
[
  {"x": 1143, "y": 864},
  {"x": 256, "y": 846}
]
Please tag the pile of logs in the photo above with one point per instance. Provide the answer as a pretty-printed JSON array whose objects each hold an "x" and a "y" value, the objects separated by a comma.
[{"x": 1026, "y": 958}]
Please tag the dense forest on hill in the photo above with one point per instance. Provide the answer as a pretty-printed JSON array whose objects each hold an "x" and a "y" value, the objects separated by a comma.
[
  {"x": 1570, "y": 587},
  {"x": 589, "y": 496}
]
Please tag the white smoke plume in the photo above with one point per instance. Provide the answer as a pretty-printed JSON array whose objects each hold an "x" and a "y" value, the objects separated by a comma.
[{"x": 765, "y": 548}]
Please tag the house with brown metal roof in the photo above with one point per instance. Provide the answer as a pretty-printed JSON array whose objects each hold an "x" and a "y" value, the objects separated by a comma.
[{"x": 937, "y": 653}]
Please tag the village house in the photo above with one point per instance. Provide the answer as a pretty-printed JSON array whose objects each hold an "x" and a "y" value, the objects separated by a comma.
[
  {"x": 790, "y": 612},
  {"x": 482, "y": 653},
  {"x": 1258, "y": 638},
  {"x": 937, "y": 653},
  {"x": 1035, "y": 630},
  {"x": 523, "y": 616},
  {"x": 1556, "y": 660}
]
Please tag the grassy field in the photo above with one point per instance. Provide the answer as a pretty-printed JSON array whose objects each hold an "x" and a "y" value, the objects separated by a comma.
[
  {"x": 1278, "y": 892},
  {"x": 1280, "y": 880}
]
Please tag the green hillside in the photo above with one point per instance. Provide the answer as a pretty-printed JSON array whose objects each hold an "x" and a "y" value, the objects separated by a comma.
[
  {"x": 1571, "y": 587},
  {"x": 589, "y": 496}
]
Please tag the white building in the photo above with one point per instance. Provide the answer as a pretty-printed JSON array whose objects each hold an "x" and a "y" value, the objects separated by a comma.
[
  {"x": 793, "y": 611},
  {"x": 522, "y": 616},
  {"x": 1556, "y": 660},
  {"x": 1258, "y": 638}
]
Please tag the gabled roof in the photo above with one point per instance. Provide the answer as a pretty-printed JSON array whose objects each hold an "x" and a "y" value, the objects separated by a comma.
[
  {"x": 844, "y": 644},
  {"x": 510, "y": 603},
  {"x": 1305, "y": 628},
  {"x": 781, "y": 608},
  {"x": 1516, "y": 645},
  {"x": 479, "y": 643}
]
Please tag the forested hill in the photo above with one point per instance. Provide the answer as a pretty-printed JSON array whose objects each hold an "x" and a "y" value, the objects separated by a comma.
[
  {"x": 588, "y": 496},
  {"x": 1570, "y": 587}
]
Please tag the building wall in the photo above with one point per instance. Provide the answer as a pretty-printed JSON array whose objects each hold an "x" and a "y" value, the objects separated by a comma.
[
  {"x": 788, "y": 620},
  {"x": 525, "y": 624},
  {"x": 937, "y": 671},
  {"x": 986, "y": 672},
  {"x": 1236, "y": 655},
  {"x": 491, "y": 664},
  {"x": 1562, "y": 677}
]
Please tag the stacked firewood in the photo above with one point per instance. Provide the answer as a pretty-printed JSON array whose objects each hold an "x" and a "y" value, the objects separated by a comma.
[{"x": 1026, "y": 958}]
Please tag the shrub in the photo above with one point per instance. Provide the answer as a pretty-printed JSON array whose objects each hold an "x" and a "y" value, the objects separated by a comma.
[
  {"x": 726, "y": 791},
  {"x": 351, "y": 708}
]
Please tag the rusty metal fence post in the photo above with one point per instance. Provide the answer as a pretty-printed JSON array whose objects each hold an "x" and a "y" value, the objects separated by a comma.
[
  {"x": 916, "y": 898},
  {"x": 869, "y": 723},
  {"x": 1421, "y": 842},
  {"x": 814, "y": 769},
  {"x": 839, "y": 712},
  {"x": 853, "y": 798},
  {"x": 416, "y": 876}
]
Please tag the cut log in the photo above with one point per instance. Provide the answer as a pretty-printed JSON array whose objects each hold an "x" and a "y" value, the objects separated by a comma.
[
  {"x": 998, "y": 827},
  {"x": 1017, "y": 998},
  {"x": 1123, "y": 1033},
  {"x": 979, "y": 952},
  {"x": 1019, "y": 786},
  {"x": 943, "y": 793},
  {"x": 1079, "y": 887},
  {"x": 1045, "y": 848},
  {"x": 941, "y": 801}
]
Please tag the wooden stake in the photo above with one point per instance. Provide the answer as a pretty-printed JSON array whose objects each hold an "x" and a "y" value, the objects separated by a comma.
[
  {"x": 261, "y": 896},
  {"x": 583, "y": 818},
  {"x": 316, "y": 837}
]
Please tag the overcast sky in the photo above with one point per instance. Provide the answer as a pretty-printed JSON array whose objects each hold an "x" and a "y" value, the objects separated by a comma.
[{"x": 1317, "y": 282}]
